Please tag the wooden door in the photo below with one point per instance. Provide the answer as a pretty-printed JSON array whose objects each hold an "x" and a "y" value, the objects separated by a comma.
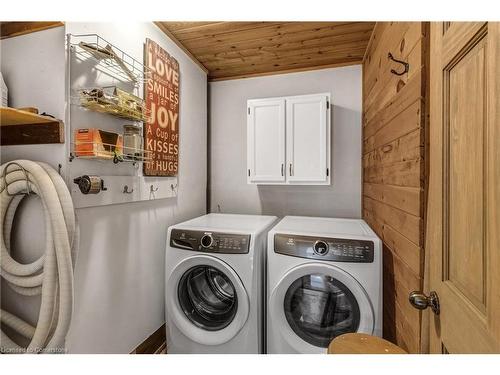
[
  {"x": 266, "y": 141},
  {"x": 308, "y": 139},
  {"x": 463, "y": 231}
]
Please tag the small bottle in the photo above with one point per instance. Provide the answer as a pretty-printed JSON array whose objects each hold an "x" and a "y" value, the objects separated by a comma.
[{"x": 132, "y": 141}]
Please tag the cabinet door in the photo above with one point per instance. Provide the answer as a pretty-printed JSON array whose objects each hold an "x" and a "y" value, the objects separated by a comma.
[
  {"x": 266, "y": 141},
  {"x": 308, "y": 139}
]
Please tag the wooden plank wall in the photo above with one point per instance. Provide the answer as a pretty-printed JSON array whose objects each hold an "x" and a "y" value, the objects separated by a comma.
[{"x": 394, "y": 167}]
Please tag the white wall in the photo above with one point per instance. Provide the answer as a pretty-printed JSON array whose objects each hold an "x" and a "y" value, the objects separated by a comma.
[
  {"x": 119, "y": 276},
  {"x": 227, "y": 124}
]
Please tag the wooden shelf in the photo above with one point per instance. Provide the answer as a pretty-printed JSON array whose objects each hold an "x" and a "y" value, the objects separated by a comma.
[{"x": 23, "y": 128}]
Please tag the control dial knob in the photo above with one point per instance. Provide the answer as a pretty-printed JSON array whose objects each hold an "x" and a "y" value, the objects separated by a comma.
[
  {"x": 320, "y": 247},
  {"x": 207, "y": 240}
]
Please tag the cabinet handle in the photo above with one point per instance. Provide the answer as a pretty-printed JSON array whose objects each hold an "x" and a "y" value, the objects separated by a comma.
[
  {"x": 282, "y": 169},
  {"x": 291, "y": 170}
]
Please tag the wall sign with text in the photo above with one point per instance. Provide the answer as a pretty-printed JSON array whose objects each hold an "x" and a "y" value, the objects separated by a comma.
[{"x": 161, "y": 93}]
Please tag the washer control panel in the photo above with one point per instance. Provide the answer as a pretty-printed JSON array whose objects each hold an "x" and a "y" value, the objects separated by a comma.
[
  {"x": 210, "y": 242},
  {"x": 332, "y": 249}
]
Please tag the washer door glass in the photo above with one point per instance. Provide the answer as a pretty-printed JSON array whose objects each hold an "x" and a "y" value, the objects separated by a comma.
[
  {"x": 207, "y": 297},
  {"x": 319, "y": 308}
]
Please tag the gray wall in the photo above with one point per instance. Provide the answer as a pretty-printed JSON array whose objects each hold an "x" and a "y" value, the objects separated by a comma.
[
  {"x": 227, "y": 124},
  {"x": 119, "y": 275}
]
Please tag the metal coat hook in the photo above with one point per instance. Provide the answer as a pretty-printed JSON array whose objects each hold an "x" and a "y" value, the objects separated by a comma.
[
  {"x": 126, "y": 190},
  {"x": 405, "y": 64},
  {"x": 152, "y": 191}
]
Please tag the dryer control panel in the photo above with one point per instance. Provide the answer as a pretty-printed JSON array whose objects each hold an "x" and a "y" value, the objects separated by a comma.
[
  {"x": 323, "y": 248},
  {"x": 210, "y": 242}
]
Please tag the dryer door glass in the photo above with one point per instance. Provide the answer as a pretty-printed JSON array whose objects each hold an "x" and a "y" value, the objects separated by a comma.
[
  {"x": 320, "y": 308},
  {"x": 207, "y": 297}
]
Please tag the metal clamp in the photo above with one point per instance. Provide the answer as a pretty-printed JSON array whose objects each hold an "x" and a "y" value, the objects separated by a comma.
[
  {"x": 4, "y": 177},
  {"x": 405, "y": 64}
]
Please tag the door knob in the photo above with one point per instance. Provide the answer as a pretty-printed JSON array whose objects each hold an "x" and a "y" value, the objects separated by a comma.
[{"x": 420, "y": 301}]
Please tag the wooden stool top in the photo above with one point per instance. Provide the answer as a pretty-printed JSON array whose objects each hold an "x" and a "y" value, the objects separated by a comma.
[{"x": 360, "y": 343}]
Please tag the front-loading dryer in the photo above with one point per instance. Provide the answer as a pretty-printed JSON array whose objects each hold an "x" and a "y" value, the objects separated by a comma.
[
  {"x": 324, "y": 280},
  {"x": 215, "y": 284}
]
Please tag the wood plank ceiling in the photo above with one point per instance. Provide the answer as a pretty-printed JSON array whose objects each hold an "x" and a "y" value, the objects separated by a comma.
[
  {"x": 229, "y": 50},
  {"x": 11, "y": 29}
]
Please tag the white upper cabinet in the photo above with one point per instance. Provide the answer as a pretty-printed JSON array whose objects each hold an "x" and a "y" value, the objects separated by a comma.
[
  {"x": 307, "y": 139},
  {"x": 289, "y": 140},
  {"x": 266, "y": 141}
]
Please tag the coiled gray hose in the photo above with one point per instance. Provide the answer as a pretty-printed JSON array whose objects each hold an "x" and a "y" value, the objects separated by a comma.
[{"x": 52, "y": 274}]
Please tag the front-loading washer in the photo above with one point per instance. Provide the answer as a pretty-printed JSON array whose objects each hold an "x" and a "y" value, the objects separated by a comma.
[
  {"x": 324, "y": 280},
  {"x": 215, "y": 284}
]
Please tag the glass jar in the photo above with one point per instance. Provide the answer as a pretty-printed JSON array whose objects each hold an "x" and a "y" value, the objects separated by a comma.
[{"x": 132, "y": 141}]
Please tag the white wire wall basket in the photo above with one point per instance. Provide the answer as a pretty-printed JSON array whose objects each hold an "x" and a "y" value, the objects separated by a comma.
[
  {"x": 114, "y": 101},
  {"x": 108, "y": 58},
  {"x": 109, "y": 151}
]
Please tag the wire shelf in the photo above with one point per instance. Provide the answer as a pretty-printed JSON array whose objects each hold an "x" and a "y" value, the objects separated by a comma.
[
  {"x": 114, "y": 101},
  {"x": 108, "y": 58},
  {"x": 109, "y": 151}
]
